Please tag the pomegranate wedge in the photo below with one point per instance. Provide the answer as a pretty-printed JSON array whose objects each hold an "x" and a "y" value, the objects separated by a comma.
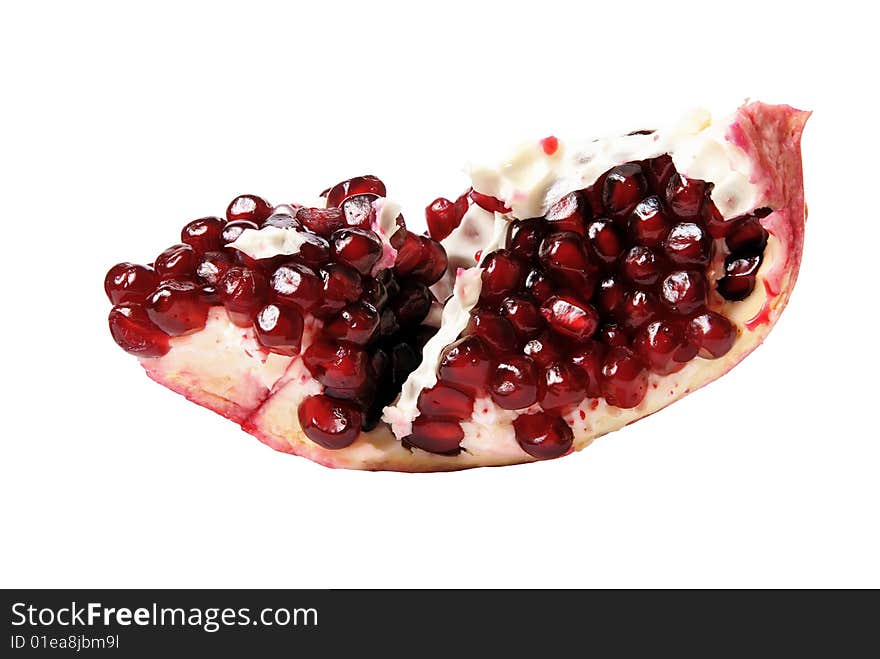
[{"x": 573, "y": 289}]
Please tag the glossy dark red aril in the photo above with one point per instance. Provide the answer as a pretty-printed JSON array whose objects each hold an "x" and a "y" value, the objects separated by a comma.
[
  {"x": 333, "y": 424},
  {"x": 543, "y": 436},
  {"x": 129, "y": 282}
]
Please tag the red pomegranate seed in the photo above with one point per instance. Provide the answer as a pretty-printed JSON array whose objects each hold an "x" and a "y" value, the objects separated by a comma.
[
  {"x": 685, "y": 196},
  {"x": 550, "y": 145},
  {"x": 589, "y": 357},
  {"x": 357, "y": 323},
  {"x": 234, "y": 229},
  {"x": 641, "y": 266},
  {"x": 243, "y": 292},
  {"x": 543, "y": 436},
  {"x": 748, "y": 237},
  {"x": 659, "y": 171},
  {"x": 568, "y": 214},
  {"x": 613, "y": 336},
  {"x": 314, "y": 251},
  {"x": 248, "y": 207},
  {"x": 340, "y": 285},
  {"x": 358, "y": 211},
  {"x": 565, "y": 258},
  {"x": 713, "y": 333},
  {"x": 562, "y": 385},
  {"x": 544, "y": 349},
  {"x": 503, "y": 274},
  {"x": 359, "y": 185},
  {"x": 624, "y": 378},
  {"x": 432, "y": 262},
  {"x": 495, "y": 332},
  {"x": 514, "y": 383},
  {"x": 688, "y": 244},
  {"x": 570, "y": 317},
  {"x": 333, "y": 424},
  {"x": 739, "y": 279},
  {"x": 435, "y": 436},
  {"x": 376, "y": 292},
  {"x": 715, "y": 223},
  {"x": 282, "y": 221},
  {"x": 623, "y": 187},
  {"x": 412, "y": 304},
  {"x": 129, "y": 282},
  {"x": 523, "y": 315},
  {"x": 322, "y": 221},
  {"x": 525, "y": 236},
  {"x": 337, "y": 365},
  {"x": 683, "y": 291},
  {"x": 461, "y": 206},
  {"x": 610, "y": 295},
  {"x": 135, "y": 333},
  {"x": 176, "y": 308},
  {"x": 279, "y": 329},
  {"x": 203, "y": 235},
  {"x": 178, "y": 261},
  {"x": 648, "y": 224},
  {"x": 465, "y": 365},
  {"x": 442, "y": 218},
  {"x": 489, "y": 203},
  {"x": 294, "y": 283},
  {"x": 210, "y": 295},
  {"x": 660, "y": 345},
  {"x": 443, "y": 401},
  {"x": 211, "y": 268},
  {"x": 358, "y": 248},
  {"x": 538, "y": 286},
  {"x": 605, "y": 239},
  {"x": 638, "y": 307},
  {"x": 409, "y": 255}
]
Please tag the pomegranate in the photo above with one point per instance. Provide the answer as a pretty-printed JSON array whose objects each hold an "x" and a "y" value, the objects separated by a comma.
[{"x": 538, "y": 313}]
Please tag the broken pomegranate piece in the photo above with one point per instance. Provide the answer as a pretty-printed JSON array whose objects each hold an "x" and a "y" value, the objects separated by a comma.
[{"x": 538, "y": 313}]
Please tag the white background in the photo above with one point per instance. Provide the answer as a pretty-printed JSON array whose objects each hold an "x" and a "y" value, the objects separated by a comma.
[{"x": 119, "y": 124}]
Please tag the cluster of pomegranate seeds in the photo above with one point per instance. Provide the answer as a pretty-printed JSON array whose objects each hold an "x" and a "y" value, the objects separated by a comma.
[{"x": 586, "y": 302}]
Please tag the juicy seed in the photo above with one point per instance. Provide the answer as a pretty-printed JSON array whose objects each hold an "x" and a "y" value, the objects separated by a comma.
[
  {"x": 281, "y": 221},
  {"x": 740, "y": 277},
  {"x": 341, "y": 366},
  {"x": 409, "y": 254},
  {"x": 648, "y": 224},
  {"x": 340, "y": 285},
  {"x": 624, "y": 378},
  {"x": 176, "y": 308},
  {"x": 748, "y": 238},
  {"x": 524, "y": 237},
  {"x": 322, "y": 221},
  {"x": 503, "y": 274},
  {"x": 641, "y": 266},
  {"x": 523, "y": 315},
  {"x": 612, "y": 335},
  {"x": 435, "y": 436},
  {"x": 623, "y": 187},
  {"x": 544, "y": 349},
  {"x": 685, "y": 196},
  {"x": 443, "y": 401},
  {"x": 565, "y": 258},
  {"x": 279, "y": 329},
  {"x": 203, "y": 235},
  {"x": 543, "y": 436},
  {"x": 134, "y": 332},
  {"x": 683, "y": 292},
  {"x": 412, "y": 304},
  {"x": 605, "y": 239},
  {"x": 356, "y": 324},
  {"x": 359, "y": 185},
  {"x": 358, "y": 211},
  {"x": 538, "y": 286},
  {"x": 568, "y": 214},
  {"x": 489, "y": 203},
  {"x": 332, "y": 424},
  {"x": 129, "y": 282},
  {"x": 211, "y": 268},
  {"x": 638, "y": 307},
  {"x": 589, "y": 357},
  {"x": 441, "y": 217},
  {"x": 358, "y": 248},
  {"x": 248, "y": 207},
  {"x": 514, "y": 383},
  {"x": 293, "y": 283},
  {"x": 465, "y": 365},
  {"x": 659, "y": 344},
  {"x": 688, "y": 245},
  {"x": 432, "y": 262},
  {"x": 495, "y": 332},
  {"x": 712, "y": 333},
  {"x": 234, "y": 229},
  {"x": 243, "y": 292},
  {"x": 610, "y": 295},
  {"x": 563, "y": 385},
  {"x": 570, "y": 317},
  {"x": 178, "y": 261}
]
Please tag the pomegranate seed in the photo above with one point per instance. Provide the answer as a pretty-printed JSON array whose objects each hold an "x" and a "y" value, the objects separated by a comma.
[
  {"x": 638, "y": 307},
  {"x": 503, "y": 274},
  {"x": 356, "y": 323},
  {"x": 623, "y": 187},
  {"x": 358, "y": 248},
  {"x": 612, "y": 335},
  {"x": 177, "y": 261},
  {"x": 340, "y": 285},
  {"x": 563, "y": 385},
  {"x": 432, "y": 262},
  {"x": 234, "y": 229},
  {"x": 688, "y": 244},
  {"x": 279, "y": 329},
  {"x": 435, "y": 436},
  {"x": 683, "y": 291},
  {"x": 605, "y": 240},
  {"x": 568, "y": 214},
  {"x": 565, "y": 258},
  {"x": 543, "y": 436},
  {"x": 322, "y": 221},
  {"x": 314, "y": 251},
  {"x": 337, "y": 365},
  {"x": 210, "y": 295},
  {"x": 412, "y": 304},
  {"x": 550, "y": 145},
  {"x": 610, "y": 295},
  {"x": 248, "y": 207},
  {"x": 465, "y": 365},
  {"x": 129, "y": 282},
  {"x": 135, "y": 333},
  {"x": 461, "y": 206},
  {"x": 409, "y": 255},
  {"x": 713, "y": 333},
  {"x": 523, "y": 315},
  {"x": 715, "y": 223},
  {"x": 659, "y": 344},
  {"x": 659, "y": 171},
  {"x": 243, "y": 292},
  {"x": 589, "y": 357},
  {"x": 443, "y": 401},
  {"x": 375, "y": 293},
  {"x": 538, "y": 286},
  {"x": 570, "y": 317},
  {"x": 641, "y": 266},
  {"x": 740, "y": 275},
  {"x": 524, "y": 237},
  {"x": 398, "y": 237},
  {"x": 514, "y": 383},
  {"x": 358, "y": 211},
  {"x": 203, "y": 235},
  {"x": 281, "y": 221},
  {"x": 332, "y": 424},
  {"x": 294, "y": 283},
  {"x": 176, "y": 308},
  {"x": 685, "y": 196},
  {"x": 442, "y": 218},
  {"x": 211, "y": 268},
  {"x": 624, "y": 378},
  {"x": 496, "y": 332},
  {"x": 489, "y": 203},
  {"x": 748, "y": 237},
  {"x": 544, "y": 349},
  {"x": 359, "y": 185},
  {"x": 648, "y": 224}
]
